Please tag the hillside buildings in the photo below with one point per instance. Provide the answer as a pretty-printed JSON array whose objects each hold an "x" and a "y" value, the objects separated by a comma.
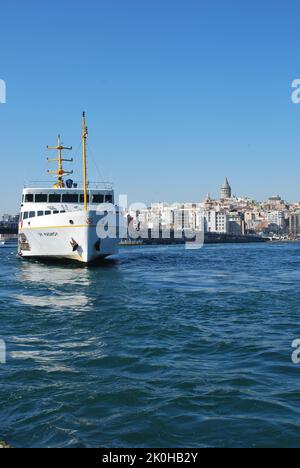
[{"x": 228, "y": 215}]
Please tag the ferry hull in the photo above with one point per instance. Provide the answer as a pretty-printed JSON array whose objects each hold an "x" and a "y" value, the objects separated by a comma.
[{"x": 76, "y": 237}]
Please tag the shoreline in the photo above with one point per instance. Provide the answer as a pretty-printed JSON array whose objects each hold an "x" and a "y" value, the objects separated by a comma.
[{"x": 210, "y": 238}]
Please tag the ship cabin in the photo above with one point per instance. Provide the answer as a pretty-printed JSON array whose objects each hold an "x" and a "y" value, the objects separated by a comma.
[{"x": 38, "y": 202}]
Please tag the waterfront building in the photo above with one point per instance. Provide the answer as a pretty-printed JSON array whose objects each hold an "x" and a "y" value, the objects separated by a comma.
[
  {"x": 294, "y": 224},
  {"x": 236, "y": 224},
  {"x": 276, "y": 217},
  {"x": 216, "y": 221},
  {"x": 9, "y": 221},
  {"x": 185, "y": 217}
]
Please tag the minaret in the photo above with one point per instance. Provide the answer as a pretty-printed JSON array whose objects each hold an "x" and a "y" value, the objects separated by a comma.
[{"x": 226, "y": 189}]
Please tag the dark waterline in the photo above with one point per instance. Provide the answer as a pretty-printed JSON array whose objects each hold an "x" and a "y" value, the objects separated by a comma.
[{"x": 166, "y": 347}]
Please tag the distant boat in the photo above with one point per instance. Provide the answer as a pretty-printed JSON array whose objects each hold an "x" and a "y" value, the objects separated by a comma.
[
  {"x": 62, "y": 222},
  {"x": 10, "y": 242}
]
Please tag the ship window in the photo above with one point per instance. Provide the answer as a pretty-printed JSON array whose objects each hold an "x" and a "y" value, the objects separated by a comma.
[
  {"x": 40, "y": 213},
  {"x": 55, "y": 212},
  {"x": 29, "y": 198},
  {"x": 41, "y": 198},
  {"x": 70, "y": 198},
  {"x": 82, "y": 198},
  {"x": 108, "y": 198},
  {"x": 54, "y": 198},
  {"x": 62, "y": 211},
  {"x": 47, "y": 213},
  {"x": 31, "y": 214},
  {"x": 98, "y": 198},
  {"x": 25, "y": 215}
]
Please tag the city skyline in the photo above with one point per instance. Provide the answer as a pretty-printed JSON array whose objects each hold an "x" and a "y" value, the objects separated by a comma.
[
  {"x": 227, "y": 214},
  {"x": 215, "y": 195},
  {"x": 163, "y": 126}
]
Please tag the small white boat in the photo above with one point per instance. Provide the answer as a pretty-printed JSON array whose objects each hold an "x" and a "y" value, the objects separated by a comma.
[{"x": 10, "y": 242}]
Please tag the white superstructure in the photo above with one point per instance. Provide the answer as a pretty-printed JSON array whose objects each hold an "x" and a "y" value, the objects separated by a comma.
[{"x": 68, "y": 221}]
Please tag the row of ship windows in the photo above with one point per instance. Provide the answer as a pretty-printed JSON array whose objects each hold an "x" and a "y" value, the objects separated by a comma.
[
  {"x": 65, "y": 198},
  {"x": 33, "y": 214}
]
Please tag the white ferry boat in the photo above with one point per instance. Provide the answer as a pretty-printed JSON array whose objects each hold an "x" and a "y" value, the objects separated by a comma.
[{"x": 69, "y": 221}]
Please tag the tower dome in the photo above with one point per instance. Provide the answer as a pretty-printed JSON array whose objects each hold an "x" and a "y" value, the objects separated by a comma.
[{"x": 225, "y": 189}]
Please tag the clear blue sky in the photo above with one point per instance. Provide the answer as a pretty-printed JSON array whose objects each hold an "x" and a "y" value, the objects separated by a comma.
[{"x": 178, "y": 94}]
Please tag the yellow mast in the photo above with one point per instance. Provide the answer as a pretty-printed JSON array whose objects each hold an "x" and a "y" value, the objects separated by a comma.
[
  {"x": 84, "y": 138},
  {"x": 60, "y": 172}
]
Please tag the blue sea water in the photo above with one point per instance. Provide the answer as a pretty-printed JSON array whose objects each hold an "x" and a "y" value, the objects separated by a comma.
[{"x": 166, "y": 347}]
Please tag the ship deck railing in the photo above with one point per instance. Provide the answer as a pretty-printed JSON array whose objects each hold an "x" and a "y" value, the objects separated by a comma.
[{"x": 39, "y": 184}]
